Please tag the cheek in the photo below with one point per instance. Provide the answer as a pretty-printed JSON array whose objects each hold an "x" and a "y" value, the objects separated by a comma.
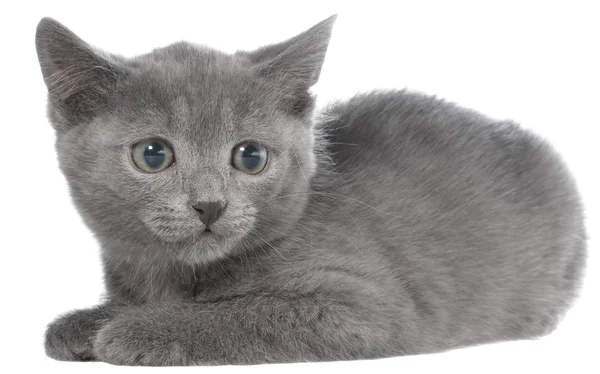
[
  {"x": 239, "y": 219},
  {"x": 159, "y": 198},
  {"x": 168, "y": 220}
]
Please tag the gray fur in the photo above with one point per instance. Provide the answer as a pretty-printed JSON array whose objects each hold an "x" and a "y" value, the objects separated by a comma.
[{"x": 395, "y": 224}]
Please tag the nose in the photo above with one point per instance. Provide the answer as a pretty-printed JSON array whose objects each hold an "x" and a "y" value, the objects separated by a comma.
[{"x": 209, "y": 211}]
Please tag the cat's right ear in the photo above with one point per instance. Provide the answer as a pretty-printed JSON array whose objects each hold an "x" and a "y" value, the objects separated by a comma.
[{"x": 79, "y": 78}]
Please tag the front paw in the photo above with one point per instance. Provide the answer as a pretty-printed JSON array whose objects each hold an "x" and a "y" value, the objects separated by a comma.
[
  {"x": 129, "y": 340},
  {"x": 70, "y": 337}
]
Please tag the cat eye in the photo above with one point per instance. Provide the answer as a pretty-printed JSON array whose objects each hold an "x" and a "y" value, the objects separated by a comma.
[
  {"x": 152, "y": 155},
  {"x": 249, "y": 157}
]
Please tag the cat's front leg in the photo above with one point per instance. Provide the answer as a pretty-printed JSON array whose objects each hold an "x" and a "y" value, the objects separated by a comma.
[
  {"x": 70, "y": 337},
  {"x": 248, "y": 329}
]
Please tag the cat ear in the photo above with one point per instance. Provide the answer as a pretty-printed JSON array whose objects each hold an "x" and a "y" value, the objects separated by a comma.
[
  {"x": 79, "y": 78},
  {"x": 295, "y": 64}
]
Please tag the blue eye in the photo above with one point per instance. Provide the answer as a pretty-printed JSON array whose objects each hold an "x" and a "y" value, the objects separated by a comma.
[
  {"x": 152, "y": 155},
  {"x": 249, "y": 157}
]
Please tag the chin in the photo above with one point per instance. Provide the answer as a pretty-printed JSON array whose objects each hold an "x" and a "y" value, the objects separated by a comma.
[{"x": 204, "y": 247}]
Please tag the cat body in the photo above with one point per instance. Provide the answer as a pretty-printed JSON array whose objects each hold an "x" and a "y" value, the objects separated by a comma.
[{"x": 394, "y": 224}]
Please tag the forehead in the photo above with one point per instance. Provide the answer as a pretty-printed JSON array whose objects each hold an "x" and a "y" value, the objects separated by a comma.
[{"x": 191, "y": 90}]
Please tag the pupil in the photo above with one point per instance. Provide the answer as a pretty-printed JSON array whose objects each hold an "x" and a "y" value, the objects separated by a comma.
[
  {"x": 154, "y": 155},
  {"x": 251, "y": 157}
]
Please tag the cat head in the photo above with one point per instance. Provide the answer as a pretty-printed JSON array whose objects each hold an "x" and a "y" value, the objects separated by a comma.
[{"x": 185, "y": 152}]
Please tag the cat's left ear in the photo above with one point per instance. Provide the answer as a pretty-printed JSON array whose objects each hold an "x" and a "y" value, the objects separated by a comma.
[{"x": 295, "y": 64}]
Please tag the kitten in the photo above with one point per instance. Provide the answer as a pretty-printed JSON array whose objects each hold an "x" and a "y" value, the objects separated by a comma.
[{"x": 236, "y": 230}]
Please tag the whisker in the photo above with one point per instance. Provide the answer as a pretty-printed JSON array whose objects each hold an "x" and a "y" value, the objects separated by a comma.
[
  {"x": 299, "y": 166},
  {"x": 326, "y": 194}
]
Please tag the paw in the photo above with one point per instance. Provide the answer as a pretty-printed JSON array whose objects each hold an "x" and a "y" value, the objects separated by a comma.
[
  {"x": 70, "y": 337},
  {"x": 129, "y": 340}
]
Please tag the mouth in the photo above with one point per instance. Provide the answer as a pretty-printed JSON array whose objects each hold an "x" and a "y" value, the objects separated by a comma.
[{"x": 207, "y": 232}]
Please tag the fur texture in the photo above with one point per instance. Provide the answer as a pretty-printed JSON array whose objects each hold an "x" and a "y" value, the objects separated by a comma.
[{"x": 395, "y": 224}]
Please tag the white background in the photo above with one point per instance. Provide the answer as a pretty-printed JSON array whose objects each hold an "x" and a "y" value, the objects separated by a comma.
[{"x": 536, "y": 63}]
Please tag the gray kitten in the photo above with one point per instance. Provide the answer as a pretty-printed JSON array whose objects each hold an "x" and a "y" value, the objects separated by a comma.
[{"x": 236, "y": 229}]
